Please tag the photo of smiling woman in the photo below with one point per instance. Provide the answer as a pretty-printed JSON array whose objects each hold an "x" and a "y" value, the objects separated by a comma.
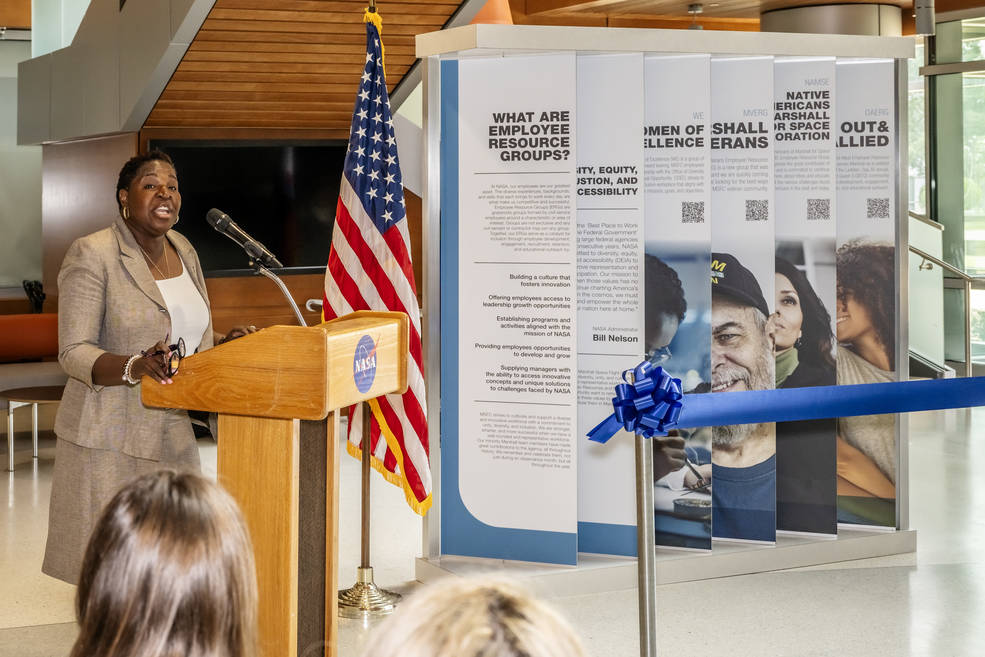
[
  {"x": 866, "y": 338},
  {"x": 805, "y": 451}
]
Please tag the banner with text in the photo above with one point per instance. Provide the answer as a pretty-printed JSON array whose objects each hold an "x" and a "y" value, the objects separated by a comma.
[
  {"x": 866, "y": 262},
  {"x": 804, "y": 173},
  {"x": 677, "y": 178},
  {"x": 610, "y": 294},
  {"x": 742, "y": 277},
  {"x": 509, "y": 481}
]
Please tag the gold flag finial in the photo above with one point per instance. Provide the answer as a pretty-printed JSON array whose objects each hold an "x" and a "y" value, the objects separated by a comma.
[{"x": 372, "y": 16}]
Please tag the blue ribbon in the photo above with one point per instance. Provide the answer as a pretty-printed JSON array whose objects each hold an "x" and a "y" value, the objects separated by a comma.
[
  {"x": 750, "y": 407},
  {"x": 784, "y": 405},
  {"x": 648, "y": 405}
]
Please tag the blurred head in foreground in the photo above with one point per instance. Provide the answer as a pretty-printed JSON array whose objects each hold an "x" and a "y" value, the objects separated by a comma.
[
  {"x": 168, "y": 571},
  {"x": 463, "y": 617}
]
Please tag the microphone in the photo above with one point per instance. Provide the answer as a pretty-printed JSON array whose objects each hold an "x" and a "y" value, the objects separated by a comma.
[{"x": 225, "y": 225}]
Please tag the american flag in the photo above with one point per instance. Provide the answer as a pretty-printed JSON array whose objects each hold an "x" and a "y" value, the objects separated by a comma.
[{"x": 369, "y": 268}]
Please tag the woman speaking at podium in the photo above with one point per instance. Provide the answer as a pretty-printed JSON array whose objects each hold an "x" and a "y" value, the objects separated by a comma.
[{"x": 132, "y": 301}]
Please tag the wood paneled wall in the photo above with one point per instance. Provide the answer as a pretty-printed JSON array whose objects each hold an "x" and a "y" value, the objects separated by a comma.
[
  {"x": 289, "y": 68},
  {"x": 78, "y": 195},
  {"x": 15, "y": 14}
]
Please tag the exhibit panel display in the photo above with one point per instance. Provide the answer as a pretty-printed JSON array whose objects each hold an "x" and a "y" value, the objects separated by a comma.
[
  {"x": 509, "y": 402},
  {"x": 611, "y": 338},
  {"x": 677, "y": 177},
  {"x": 743, "y": 483},
  {"x": 868, "y": 270},
  {"x": 543, "y": 249},
  {"x": 804, "y": 174}
]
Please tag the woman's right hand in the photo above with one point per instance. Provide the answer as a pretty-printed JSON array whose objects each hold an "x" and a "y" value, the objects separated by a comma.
[{"x": 152, "y": 363}]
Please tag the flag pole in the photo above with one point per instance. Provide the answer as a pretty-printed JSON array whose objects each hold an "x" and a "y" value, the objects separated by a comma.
[{"x": 365, "y": 599}]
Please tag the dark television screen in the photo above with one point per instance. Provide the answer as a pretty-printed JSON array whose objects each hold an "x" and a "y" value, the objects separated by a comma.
[{"x": 283, "y": 194}]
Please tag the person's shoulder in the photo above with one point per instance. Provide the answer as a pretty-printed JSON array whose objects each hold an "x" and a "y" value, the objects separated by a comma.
[{"x": 103, "y": 240}]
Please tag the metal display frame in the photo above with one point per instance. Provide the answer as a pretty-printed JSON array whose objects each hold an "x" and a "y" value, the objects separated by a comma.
[{"x": 595, "y": 573}]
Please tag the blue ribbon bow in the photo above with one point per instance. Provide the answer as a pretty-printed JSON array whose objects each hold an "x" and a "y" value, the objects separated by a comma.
[{"x": 648, "y": 405}]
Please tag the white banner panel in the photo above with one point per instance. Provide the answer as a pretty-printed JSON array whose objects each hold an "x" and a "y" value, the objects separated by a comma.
[
  {"x": 610, "y": 294},
  {"x": 677, "y": 155},
  {"x": 804, "y": 170},
  {"x": 744, "y": 456},
  {"x": 866, "y": 332},
  {"x": 517, "y": 312}
]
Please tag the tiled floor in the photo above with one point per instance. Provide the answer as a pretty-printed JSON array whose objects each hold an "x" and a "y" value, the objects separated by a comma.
[{"x": 931, "y": 603}]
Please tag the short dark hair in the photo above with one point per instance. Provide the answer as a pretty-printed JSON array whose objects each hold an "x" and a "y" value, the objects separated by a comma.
[
  {"x": 867, "y": 274},
  {"x": 663, "y": 293},
  {"x": 132, "y": 166}
]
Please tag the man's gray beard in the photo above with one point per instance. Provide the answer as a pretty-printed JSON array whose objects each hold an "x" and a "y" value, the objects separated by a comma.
[
  {"x": 733, "y": 435},
  {"x": 760, "y": 378}
]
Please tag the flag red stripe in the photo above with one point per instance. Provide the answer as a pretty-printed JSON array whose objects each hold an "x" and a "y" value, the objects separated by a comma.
[
  {"x": 398, "y": 248},
  {"x": 369, "y": 262},
  {"x": 327, "y": 311},
  {"x": 410, "y": 470},
  {"x": 347, "y": 287},
  {"x": 375, "y": 273},
  {"x": 412, "y": 405}
]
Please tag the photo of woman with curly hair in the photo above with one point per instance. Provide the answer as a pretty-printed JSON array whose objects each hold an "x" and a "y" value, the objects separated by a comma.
[
  {"x": 805, "y": 450},
  {"x": 866, "y": 354}
]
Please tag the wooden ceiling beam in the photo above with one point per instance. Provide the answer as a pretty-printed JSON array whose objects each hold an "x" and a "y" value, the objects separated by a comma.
[
  {"x": 305, "y": 48},
  {"x": 352, "y": 38},
  {"x": 328, "y": 27},
  {"x": 554, "y": 7},
  {"x": 346, "y": 18},
  {"x": 287, "y": 67},
  {"x": 439, "y": 7}
]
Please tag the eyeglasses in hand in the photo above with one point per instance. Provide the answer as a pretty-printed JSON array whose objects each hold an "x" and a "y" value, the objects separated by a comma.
[{"x": 172, "y": 356}]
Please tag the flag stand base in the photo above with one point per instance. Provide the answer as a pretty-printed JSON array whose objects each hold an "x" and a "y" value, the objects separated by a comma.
[{"x": 365, "y": 599}]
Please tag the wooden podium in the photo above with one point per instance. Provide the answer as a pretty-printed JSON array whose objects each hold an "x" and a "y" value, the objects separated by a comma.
[{"x": 277, "y": 393}]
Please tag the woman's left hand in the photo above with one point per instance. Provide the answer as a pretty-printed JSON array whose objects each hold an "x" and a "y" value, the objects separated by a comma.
[{"x": 238, "y": 332}]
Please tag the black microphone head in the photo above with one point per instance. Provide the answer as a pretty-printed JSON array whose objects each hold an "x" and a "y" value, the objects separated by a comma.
[{"x": 217, "y": 219}]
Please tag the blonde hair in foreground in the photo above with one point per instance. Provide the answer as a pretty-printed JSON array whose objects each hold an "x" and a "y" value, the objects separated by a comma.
[
  {"x": 168, "y": 572},
  {"x": 460, "y": 617}
]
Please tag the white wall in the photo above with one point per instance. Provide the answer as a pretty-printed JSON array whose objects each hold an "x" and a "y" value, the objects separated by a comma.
[
  {"x": 108, "y": 79},
  {"x": 20, "y": 183},
  {"x": 54, "y": 24}
]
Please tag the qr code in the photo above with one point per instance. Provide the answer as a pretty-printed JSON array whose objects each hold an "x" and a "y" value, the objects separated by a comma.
[
  {"x": 818, "y": 209},
  {"x": 757, "y": 210},
  {"x": 877, "y": 208},
  {"x": 692, "y": 212}
]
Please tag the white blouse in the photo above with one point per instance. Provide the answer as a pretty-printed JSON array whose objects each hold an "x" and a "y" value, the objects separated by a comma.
[{"x": 189, "y": 314}]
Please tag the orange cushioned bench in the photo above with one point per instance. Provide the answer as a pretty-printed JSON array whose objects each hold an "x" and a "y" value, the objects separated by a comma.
[{"x": 29, "y": 352}]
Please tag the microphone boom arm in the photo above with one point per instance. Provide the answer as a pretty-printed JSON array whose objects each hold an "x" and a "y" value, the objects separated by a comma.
[{"x": 260, "y": 269}]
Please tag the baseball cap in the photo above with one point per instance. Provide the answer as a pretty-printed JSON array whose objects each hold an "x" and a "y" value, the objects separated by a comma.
[{"x": 728, "y": 276}]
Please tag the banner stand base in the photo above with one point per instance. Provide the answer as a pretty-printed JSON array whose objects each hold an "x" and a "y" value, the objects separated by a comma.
[{"x": 599, "y": 573}]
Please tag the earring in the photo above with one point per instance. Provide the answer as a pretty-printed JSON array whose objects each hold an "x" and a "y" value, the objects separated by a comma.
[
  {"x": 798, "y": 343},
  {"x": 126, "y": 212}
]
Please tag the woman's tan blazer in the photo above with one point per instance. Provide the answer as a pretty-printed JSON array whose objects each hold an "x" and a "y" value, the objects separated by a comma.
[{"x": 108, "y": 301}]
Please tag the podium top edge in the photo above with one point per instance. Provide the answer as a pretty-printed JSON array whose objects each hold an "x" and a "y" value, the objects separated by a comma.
[{"x": 488, "y": 39}]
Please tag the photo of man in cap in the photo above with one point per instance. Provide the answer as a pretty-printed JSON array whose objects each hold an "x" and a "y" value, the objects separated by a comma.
[{"x": 743, "y": 456}]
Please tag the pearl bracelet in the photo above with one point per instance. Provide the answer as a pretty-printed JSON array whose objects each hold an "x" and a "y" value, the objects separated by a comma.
[{"x": 127, "y": 377}]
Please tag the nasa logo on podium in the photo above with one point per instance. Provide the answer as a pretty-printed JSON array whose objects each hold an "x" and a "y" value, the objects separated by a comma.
[{"x": 364, "y": 364}]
